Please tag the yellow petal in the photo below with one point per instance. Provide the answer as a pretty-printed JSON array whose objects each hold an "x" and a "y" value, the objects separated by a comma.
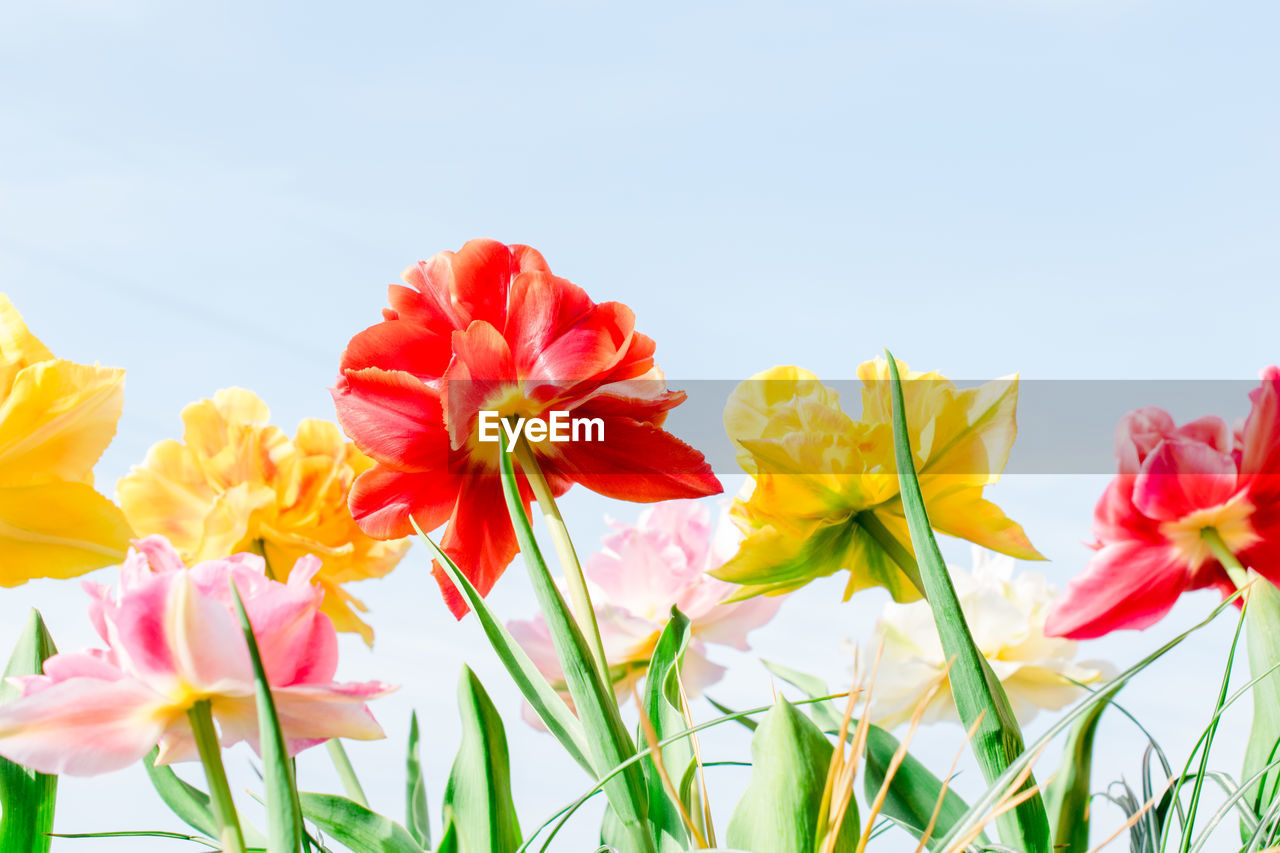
[
  {"x": 230, "y": 525},
  {"x": 18, "y": 347},
  {"x": 757, "y": 401},
  {"x": 58, "y": 530},
  {"x": 964, "y": 513},
  {"x": 56, "y": 421},
  {"x": 169, "y": 495}
]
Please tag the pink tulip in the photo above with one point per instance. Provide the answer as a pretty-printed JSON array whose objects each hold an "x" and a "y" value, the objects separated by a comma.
[
  {"x": 1175, "y": 484},
  {"x": 173, "y": 639},
  {"x": 643, "y": 570}
]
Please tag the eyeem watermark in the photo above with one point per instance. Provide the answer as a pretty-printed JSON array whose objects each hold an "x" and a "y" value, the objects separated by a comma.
[{"x": 558, "y": 427}]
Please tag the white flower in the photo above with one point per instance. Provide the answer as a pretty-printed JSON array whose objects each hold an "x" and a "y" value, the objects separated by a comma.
[{"x": 1006, "y": 615}]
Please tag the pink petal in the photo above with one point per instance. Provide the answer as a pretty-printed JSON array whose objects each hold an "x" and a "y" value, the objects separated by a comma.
[
  {"x": 1181, "y": 477},
  {"x": 1128, "y": 584},
  {"x": 82, "y": 727}
]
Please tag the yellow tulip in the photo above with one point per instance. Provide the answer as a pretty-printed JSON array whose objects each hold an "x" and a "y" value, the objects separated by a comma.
[
  {"x": 235, "y": 483},
  {"x": 56, "y": 419},
  {"x": 825, "y": 490}
]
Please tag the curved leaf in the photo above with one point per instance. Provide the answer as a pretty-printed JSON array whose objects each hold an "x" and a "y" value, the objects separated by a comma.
[
  {"x": 477, "y": 801},
  {"x": 27, "y": 798},
  {"x": 979, "y": 697},
  {"x": 355, "y": 826}
]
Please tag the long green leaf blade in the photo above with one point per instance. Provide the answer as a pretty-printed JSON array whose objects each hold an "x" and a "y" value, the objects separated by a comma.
[
  {"x": 608, "y": 738},
  {"x": 979, "y": 698},
  {"x": 1262, "y": 633},
  {"x": 477, "y": 801},
  {"x": 540, "y": 695},
  {"x": 417, "y": 815},
  {"x": 1069, "y": 795},
  {"x": 665, "y": 710},
  {"x": 284, "y": 814},
  {"x": 996, "y": 789},
  {"x": 360, "y": 829},
  {"x": 26, "y": 797}
]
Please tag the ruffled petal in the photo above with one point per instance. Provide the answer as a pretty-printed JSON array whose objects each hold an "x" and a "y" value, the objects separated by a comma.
[
  {"x": 1180, "y": 477},
  {"x": 57, "y": 420},
  {"x": 394, "y": 418}
]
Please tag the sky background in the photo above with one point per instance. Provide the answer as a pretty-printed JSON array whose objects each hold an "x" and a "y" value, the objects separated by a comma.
[{"x": 218, "y": 194}]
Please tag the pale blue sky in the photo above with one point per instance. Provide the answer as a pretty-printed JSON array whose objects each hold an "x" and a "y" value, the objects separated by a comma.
[{"x": 218, "y": 195}]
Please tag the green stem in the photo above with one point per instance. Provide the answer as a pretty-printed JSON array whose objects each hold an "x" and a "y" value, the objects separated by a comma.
[
  {"x": 224, "y": 808},
  {"x": 867, "y": 520},
  {"x": 342, "y": 762},
  {"x": 579, "y": 597},
  {"x": 1239, "y": 574}
]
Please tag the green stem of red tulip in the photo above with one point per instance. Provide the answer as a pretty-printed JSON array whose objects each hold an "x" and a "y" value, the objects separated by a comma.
[
  {"x": 579, "y": 597},
  {"x": 1239, "y": 575},
  {"x": 224, "y": 808}
]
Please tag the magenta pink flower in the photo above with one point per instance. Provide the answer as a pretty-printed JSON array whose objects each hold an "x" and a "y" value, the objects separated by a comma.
[
  {"x": 1175, "y": 483},
  {"x": 173, "y": 639},
  {"x": 643, "y": 570}
]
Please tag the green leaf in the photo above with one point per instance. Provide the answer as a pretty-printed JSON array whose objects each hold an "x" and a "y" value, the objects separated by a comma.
[
  {"x": 183, "y": 799},
  {"x": 607, "y": 736},
  {"x": 417, "y": 815},
  {"x": 991, "y": 797},
  {"x": 360, "y": 829},
  {"x": 980, "y": 700},
  {"x": 1068, "y": 797},
  {"x": 1262, "y": 633},
  {"x": 541, "y": 696},
  {"x": 26, "y": 797},
  {"x": 477, "y": 800},
  {"x": 284, "y": 814},
  {"x": 780, "y": 809},
  {"x": 824, "y": 713},
  {"x": 190, "y": 803},
  {"x": 663, "y": 705},
  {"x": 913, "y": 792}
]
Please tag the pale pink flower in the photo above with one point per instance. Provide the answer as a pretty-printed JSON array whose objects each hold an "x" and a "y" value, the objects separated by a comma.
[
  {"x": 173, "y": 639},
  {"x": 645, "y": 569}
]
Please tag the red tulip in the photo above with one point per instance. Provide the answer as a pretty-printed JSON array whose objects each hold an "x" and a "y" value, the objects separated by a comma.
[
  {"x": 1175, "y": 486},
  {"x": 491, "y": 329}
]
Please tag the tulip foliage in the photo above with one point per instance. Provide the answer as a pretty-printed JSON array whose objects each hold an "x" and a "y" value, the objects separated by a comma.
[{"x": 234, "y": 547}]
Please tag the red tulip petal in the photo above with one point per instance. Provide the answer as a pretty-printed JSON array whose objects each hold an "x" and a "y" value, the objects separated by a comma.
[
  {"x": 399, "y": 345},
  {"x": 481, "y": 373},
  {"x": 393, "y": 418},
  {"x": 480, "y": 539},
  {"x": 541, "y": 305},
  {"x": 1126, "y": 585},
  {"x": 1260, "y": 459},
  {"x": 382, "y": 500},
  {"x": 637, "y": 462},
  {"x": 1180, "y": 477}
]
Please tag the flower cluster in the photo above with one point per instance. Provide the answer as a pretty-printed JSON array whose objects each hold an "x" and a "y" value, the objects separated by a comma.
[{"x": 237, "y": 483}]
